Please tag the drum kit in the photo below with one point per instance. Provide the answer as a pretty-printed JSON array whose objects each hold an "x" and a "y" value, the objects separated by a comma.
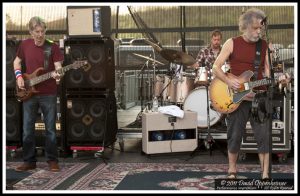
[{"x": 186, "y": 88}]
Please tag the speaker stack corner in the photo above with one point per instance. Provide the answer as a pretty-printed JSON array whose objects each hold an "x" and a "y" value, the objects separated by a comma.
[{"x": 13, "y": 107}]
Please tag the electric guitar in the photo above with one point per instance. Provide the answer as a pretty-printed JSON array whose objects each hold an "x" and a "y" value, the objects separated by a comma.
[
  {"x": 225, "y": 100},
  {"x": 30, "y": 80}
]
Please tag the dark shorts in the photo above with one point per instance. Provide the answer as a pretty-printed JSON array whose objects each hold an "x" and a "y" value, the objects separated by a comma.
[{"x": 236, "y": 125}]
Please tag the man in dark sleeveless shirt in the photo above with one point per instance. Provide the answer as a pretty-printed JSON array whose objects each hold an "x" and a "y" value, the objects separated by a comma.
[
  {"x": 31, "y": 53},
  {"x": 240, "y": 52}
]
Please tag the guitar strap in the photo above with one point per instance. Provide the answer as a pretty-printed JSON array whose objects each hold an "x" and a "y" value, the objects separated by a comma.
[
  {"x": 257, "y": 60},
  {"x": 47, "y": 53}
]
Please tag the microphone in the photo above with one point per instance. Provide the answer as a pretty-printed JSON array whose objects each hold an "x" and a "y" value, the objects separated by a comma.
[{"x": 263, "y": 21}]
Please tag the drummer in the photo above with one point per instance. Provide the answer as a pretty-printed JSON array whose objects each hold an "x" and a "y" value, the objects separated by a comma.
[{"x": 207, "y": 56}]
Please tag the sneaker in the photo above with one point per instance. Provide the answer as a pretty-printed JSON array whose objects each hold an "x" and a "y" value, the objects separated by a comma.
[
  {"x": 53, "y": 166},
  {"x": 26, "y": 167}
]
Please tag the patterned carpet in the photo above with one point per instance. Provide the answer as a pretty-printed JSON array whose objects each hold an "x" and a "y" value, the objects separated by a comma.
[
  {"x": 43, "y": 179},
  {"x": 137, "y": 176}
]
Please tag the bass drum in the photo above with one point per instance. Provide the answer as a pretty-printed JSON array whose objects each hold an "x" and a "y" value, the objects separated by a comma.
[{"x": 197, "y": 101}]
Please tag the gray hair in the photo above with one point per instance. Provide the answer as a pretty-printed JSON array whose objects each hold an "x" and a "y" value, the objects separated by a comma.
[
  {"x": 247, "y": 17},
  {"x": 36, "y": 21}
]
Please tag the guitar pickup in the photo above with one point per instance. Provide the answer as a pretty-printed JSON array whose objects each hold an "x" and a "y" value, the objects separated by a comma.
[{"x": 246, "y": 86}]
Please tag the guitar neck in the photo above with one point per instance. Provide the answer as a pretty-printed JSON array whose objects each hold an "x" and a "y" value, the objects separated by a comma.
[
  {"x": 40, "y": 79},
  {"x": 262, "y": 82},
  {"x": 47, "y": 76}
]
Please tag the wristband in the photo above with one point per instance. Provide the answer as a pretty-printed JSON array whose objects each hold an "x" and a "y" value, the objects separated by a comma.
[
  {"x": 18, "y": 76},
  {"x": 18, "y": 73}
]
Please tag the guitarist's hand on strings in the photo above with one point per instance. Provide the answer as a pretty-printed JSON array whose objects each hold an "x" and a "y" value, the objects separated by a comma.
[
  {"x": 284, "y": 79},
  {"x": 233, "y": 83},
  {"x": 57, "y": 76},
  {"x": 20, "y": 83}
]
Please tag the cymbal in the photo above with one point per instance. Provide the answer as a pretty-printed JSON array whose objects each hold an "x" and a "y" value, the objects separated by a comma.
[
  {"x": 177, "y": 57},
  {"x": 174, "y": 56},
  {"x": 156, "y": 47},
  {"x": 148, "y": 58}
]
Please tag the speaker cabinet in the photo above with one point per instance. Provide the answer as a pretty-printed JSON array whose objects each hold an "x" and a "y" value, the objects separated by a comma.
[
  {"x": 90, "y": 119},
  {"x": 159, "y": 136},
  {"x": 89, "y": 21},
  {"x": 11, "y": 48},
  {"x": 13, "y": 120},
  {"x": 99, "y": 74}
]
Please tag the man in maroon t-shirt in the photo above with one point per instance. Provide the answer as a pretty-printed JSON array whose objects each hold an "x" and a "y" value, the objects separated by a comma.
[
  {"x": 31, "y": 53},
  {"x": 240, "y": 51}
]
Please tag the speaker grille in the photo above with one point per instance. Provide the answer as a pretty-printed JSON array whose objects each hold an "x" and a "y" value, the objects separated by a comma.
[
  {"x": 11, "y": 47},
  {"x": 90, "y": 119},
  {"x": 13, "y": 120},
  {"x": 99, "y": 74}
]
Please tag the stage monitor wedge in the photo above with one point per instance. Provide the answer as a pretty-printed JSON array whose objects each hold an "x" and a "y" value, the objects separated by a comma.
[{"x": 89, "y": 21}]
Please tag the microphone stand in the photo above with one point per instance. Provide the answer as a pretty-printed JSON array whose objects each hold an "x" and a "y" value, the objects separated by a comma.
[{"x": 269, "y": 106}]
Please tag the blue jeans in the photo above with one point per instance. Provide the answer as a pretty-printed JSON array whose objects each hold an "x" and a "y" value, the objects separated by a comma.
[{"x": 30, "y": 110}]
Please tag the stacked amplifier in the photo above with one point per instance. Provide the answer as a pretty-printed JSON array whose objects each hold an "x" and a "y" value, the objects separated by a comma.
[
  {"x": 88, "y": 103},
  {"x": 13, "y": 107}
]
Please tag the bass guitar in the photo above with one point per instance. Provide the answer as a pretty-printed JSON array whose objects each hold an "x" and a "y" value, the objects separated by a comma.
[
  {"x": 30, "y": 80},
  {"x": 226, "y": 100}
]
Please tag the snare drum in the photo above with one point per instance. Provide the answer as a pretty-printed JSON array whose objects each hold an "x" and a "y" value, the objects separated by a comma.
[{"x": 197, "y": 101}]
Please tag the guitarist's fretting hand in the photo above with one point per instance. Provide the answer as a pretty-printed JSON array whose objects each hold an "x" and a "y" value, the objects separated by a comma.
[
  {"x": 57, "y": 76},
  {"x": 284, "y": 79}
]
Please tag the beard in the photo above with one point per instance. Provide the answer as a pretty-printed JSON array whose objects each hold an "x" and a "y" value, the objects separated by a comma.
[{"x": 252, "y": 38}]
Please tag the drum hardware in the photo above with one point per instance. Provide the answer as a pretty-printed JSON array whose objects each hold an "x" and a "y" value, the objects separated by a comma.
[
  {"x": 146, "y": 65},
  {"x": 201, "y": 76},
  {"x": 209, "y": 141},
  {"x": 148, "y": 58},
  {"x": 177, "y": 86},
  {"x": 177, "y": 57},
  {"x": 173, "y": 56}
]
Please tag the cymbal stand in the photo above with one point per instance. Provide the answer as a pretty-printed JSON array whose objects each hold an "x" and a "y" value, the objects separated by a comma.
[
  {"x": 149, "y": 82},
  {"x": 209, "y": 139},
  {"x": 142, "y": 90},
  {"x": 173, "y": 76}
]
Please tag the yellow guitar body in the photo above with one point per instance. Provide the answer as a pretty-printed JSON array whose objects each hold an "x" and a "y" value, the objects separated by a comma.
[{"x": 222, "y": 96}]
